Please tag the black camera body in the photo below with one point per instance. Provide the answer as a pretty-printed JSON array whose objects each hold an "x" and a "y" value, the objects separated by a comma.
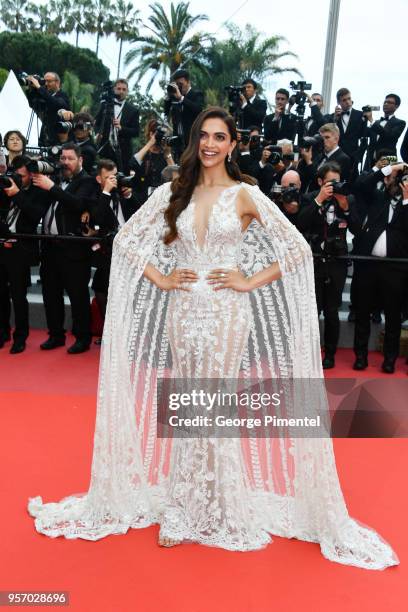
[
  {"x": 7, "y": 178},
  {"x": 160, "y": 134},
  {"x": 340, "y": 187},
  {"x": 290, "y": 194},
  {"x": 276, "y": 154},
  {"x": 369, "y": 109},
  {"x": 23, "y": 76},
  {"x": 311, "y": 141},
  {"x": 245, "y": 136},
  {"x": 234, "y": 93},
  {"x": 107, "y": 94},
  {"x": 124, "y": 181}
]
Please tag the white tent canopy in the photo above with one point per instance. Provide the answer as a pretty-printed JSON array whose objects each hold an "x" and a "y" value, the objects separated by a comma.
[{"x": 15, "y": 111}]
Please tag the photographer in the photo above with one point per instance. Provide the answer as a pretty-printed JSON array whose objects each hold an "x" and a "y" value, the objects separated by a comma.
[
  {"x": 182, "y": 105},
  {"x": 22, "y": 205},
  {"x": 123, "y": 127},
  {"x": 253, "y": 108},
  {"x": 15, "y": 143},
  {"x": 249, "y": 151},
  {"x": 288, "y": 196},
  {"x": 282, "y": 124},
  {"x": 385, "y": 132},
  {"x": 275, "y": 161},
  {"x": 112, "y": 206},
  {"x": 316, "y": 119},
  {"x": 82, "y": 126},
  {"x": 351, "y": 123},
  {"x": 66, "y": 264},
  {"x": 384, "y": 233},
  {"x": 47, "y": 99},
  {"x": 149, "y": 162},
  {"x": 324, "y": 221}
]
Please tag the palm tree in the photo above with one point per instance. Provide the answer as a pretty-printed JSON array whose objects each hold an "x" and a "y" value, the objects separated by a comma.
[
  {"x": 98, "y": 19},
  {"x": 79, "y": 94},
  {"x": 246, "y": 54},
  {"x": 15, "y": 14},
  {"x": 72, "y": 12},
  {"x": 169, "y": 45},
  {"x": 125, "y": 22},
  {"x": 46, "y": 18}
]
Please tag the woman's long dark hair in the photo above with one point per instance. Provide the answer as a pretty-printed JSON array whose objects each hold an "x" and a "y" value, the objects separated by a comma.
[{"x": 182, "y": 187}]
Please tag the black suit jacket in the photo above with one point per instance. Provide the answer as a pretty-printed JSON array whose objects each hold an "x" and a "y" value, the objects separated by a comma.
[
  {"x": 356, "y": 129},
  {"x": 47, "y": 106},
  {"x": 384, "y": 137},
  {"x": 315, "y": 121},
  {"x": 278, "y": 130},
  {"x": 73, "y": 201},
  {"x": 375, "y": 209},
  {"x": 253, "y": 114},
  {"x": 404, "y": 148},
  {"x": 129, "y": 121},
  {"x": 32, "y": 204},
  {"x": 183, "y": 114},
  {"x": 308, "y": 173}
]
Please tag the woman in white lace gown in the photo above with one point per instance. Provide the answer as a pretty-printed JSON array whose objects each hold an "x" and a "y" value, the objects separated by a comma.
[{"x": 209, "y": 280}]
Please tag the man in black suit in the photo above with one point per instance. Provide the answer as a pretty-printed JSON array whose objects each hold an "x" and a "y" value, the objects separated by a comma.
[
  {"x": 111, "y": 207},
  {"x": 384, "y": 233},
  {"x": 125, "y": 127},
  {"x": 316, "y": 118},
  {"x": 324, "y": 219},
  {"x": 66, "y": 264},
  {"x": 47, "y": 100},
  {"x": 352, "y": 126},
  {"x": 385, "y": 132},
  {"x": 253, "y": 109},
  {"x": 308, "y": 167},
  {"x": 22, "y": 206},
  {"x": 182, "y": 105},
  {"x": 282, "y": 124}
]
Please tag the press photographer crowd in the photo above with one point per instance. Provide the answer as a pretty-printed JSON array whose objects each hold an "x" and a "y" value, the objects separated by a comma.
[{"x": 338, "y": 177}]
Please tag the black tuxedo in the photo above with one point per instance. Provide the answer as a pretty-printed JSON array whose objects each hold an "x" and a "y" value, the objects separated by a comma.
[
  {"x": 24, "y": 211},
  {"x": 47, "y": 106},
  {"x": 248, "y": 164},
  {"x": 314, "y": 122},
  {"x": 183, "y": 114},
  {"x": 88, "y": 152},
  {"x": 308, "y": 173},
  {"x": 67, "y": 264},
  {"x": 384, "y": 137},
  {"x": 404, "y": 148},
  {"x": 103, "y": 215},
  {"x": 377, "y": 281},
  {"x": 285, "y": 127},
  {"x": 253, "y": 114},
  {"x": 350, "y": 138},
  {"x": 129, "y": 121},
  {"x": 330, "y": 274}
]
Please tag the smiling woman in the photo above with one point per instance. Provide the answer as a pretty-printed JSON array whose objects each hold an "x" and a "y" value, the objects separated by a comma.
[{"x": 194, "y": 297}]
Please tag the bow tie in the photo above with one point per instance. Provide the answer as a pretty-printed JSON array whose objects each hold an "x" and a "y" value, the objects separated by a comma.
[
  {"x": 117, "y": 103},
  {"x": 384, "y": 119},
  {"x": 346, "y": 112}
]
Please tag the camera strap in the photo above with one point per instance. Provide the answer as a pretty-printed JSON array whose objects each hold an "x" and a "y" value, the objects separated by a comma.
[{"x": 12, "y": 217}]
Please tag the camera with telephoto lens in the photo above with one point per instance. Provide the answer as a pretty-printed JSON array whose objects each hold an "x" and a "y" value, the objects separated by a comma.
[
  {"x": 63, "y": 127},
  {"x": 369, "y": 109},
  {"x": 7, "y": 178},
  {"x": 299, "y": 97},
  {"x": 234, "y": 93},
  {"x": 22, "y": 78},
  {"x": 160, "y": 134},
  {"x": 108, "y": 95},
  {"x": 82, "y": 125},
  {"x": 41, "y": 166}
]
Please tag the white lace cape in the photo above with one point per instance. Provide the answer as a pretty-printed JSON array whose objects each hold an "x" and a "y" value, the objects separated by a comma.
[{"x": 294, "y": 481}]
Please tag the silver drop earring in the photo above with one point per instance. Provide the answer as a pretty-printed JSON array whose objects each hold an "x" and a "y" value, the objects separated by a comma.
[{"x": 229, "y": 157}]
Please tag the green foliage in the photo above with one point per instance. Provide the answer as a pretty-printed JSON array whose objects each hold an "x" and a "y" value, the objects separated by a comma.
[
  {"x": 36, "y": 53},
  {"x": 169, "y": 45},
  {"x": 80, "y": 94},
  {"x": 3, "y": 77},
  {"x": 245, "y": 54},
  {"x": 148, "y": 109}
]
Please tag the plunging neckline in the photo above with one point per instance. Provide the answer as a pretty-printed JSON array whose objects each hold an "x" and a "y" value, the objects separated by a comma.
[{"x": 194, "y": 207}]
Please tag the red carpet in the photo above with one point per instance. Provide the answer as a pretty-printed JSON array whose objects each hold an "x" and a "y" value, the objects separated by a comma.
[{"x": 47, "y": 420}]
